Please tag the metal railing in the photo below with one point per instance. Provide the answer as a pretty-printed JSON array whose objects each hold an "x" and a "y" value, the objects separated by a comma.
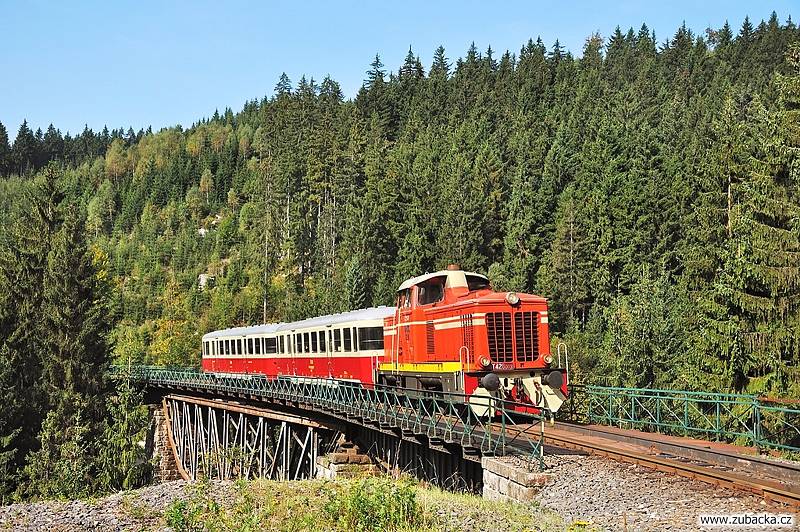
[
  {"x": 736, "y": 418},
  {"x": 439, "y": 416}
]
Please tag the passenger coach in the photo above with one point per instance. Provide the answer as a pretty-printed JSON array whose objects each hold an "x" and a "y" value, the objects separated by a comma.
[{"x": 341, "y": 346}]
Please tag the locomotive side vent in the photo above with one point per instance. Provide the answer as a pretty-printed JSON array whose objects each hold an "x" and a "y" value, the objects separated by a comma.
[
  {"x": 429, "y": 337},
  {"x": 526, "y": 335},
  {"x": 467, "y": 334},
  {"x": 498, "y": 328}
]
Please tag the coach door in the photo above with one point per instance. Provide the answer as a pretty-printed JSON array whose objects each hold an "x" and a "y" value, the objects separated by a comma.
[
  {"x": 402, "y": 335},
  {"x": 329, "y": 350}
]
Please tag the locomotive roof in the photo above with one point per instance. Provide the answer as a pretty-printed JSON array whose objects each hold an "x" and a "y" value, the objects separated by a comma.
[
  {"x": 455, "y": 278},
  {"x": 365, "y": 314}
]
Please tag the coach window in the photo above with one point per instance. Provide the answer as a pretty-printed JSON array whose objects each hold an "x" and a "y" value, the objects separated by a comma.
[
  {"x": 227, "y": 347},
  {"x": 337, "y": 339},
  {"x": 314, "y": 342},
  {"x": 347, "y": 343},
  {"x": 298, "y": 343},
  {"x": 355, "y": 339},
  {"x": 220, "y": 347},
  {"x": 239, "y": 346},
  {"x": 281, "y": 348},
  {"x": 322, "y": 341},
  {"x": 370, "y": 338},
  {"x": 258, "y": 342},
  {"x": 431, "y": 290},
  {"x": 272, "y": 346},
  {"x": 306, "y": 343},
  {"x": 250, "y": 348}
]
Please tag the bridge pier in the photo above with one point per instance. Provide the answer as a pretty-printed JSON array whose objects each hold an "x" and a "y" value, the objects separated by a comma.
[{"x": 159, "y": 447}]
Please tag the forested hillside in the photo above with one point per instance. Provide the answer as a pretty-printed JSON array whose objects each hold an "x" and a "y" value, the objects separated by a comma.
[{"x": 649, "y": 188}]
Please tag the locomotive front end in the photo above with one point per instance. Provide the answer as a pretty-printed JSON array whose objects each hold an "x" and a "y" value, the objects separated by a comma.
[{"x": 512, "y": 355}]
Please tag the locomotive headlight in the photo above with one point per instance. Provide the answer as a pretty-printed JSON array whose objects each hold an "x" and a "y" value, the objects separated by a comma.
[
  {"x": 548, "y": 359},
  {"x": 485, "y": 362},
  {"x": 512, "y": 299}
]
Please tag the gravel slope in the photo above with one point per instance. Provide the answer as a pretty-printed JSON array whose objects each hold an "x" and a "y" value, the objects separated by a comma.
[{"x": 610, "y": 494}]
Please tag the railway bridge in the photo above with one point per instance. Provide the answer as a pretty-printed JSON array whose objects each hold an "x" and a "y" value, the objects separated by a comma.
[{"x": 226, "y": 425}]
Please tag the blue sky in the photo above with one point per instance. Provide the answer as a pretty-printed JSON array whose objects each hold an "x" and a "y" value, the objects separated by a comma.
[{"x": 172, "y": 62}]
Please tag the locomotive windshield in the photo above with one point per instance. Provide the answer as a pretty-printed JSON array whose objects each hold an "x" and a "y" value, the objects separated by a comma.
[
  {"x": 431, "y": 290},
  {"x": 476, "y": 282}
]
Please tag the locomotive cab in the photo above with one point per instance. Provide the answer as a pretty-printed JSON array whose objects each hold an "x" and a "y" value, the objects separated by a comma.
[{"x": 451, "y": 332}]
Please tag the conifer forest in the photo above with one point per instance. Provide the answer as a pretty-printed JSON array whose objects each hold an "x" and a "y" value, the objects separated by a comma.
[{"x": 649, "y": 186}]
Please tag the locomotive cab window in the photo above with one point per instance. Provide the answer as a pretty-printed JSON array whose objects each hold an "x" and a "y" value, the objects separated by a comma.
[
  {"x": 431, "y": 290},
  {"x": 477, "y": 282},
  {"x": 370, "y": 338},
  {"x": 404, "y": 298}
]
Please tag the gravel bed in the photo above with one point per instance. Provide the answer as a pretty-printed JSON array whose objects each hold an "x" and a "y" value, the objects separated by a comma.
[
  {"x": 135, "y": 510},
  {"x": 612, "y": 495}
]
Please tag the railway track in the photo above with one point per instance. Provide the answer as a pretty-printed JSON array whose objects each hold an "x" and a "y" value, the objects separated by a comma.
[{"x": 601, "y": 443}]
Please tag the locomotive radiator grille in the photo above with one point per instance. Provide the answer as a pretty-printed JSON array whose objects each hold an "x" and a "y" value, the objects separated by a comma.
[
  {"x": 498, "y": 328},
  {"x": 526, "y": 336}
]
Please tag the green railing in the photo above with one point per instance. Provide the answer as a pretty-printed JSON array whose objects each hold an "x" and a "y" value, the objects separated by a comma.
[
  {"x": 439, "y": 416},
  {"x": 736, "y": 418}
]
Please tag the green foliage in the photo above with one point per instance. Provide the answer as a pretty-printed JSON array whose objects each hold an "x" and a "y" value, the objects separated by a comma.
[
  {"x": 123, "y": 462},
  {"x": 64, "y": 465},
  {"x": 375, "y": 503}
]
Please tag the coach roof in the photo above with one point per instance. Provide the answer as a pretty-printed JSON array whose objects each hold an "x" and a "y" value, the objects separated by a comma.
[{"x": 366, "y": 314}]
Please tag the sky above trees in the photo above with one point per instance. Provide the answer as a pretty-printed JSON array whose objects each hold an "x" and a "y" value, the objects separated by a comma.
[{"x": 149, "y": 63}]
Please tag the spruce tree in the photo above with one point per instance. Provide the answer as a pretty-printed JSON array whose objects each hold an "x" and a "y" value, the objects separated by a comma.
[
  {"x": 24, "y": 150},
  {"x": 5, "y": 152}
]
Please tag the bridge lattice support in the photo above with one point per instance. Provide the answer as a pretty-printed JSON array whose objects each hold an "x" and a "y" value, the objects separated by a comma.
[{"x": 212, "y": 439}]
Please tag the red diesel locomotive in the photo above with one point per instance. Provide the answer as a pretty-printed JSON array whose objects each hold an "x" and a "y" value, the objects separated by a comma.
[{"x": 449, "y": 331}]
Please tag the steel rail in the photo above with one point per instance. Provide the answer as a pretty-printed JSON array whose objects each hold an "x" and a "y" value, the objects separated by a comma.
[
  {"x": 717, "y": 453},
  {"x": 770, "y": 491}
]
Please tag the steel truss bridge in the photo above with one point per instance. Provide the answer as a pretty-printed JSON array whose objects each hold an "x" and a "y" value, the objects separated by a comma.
[
  {"x": 216, "y": 439},
  {"x": 225, "y": 425}
]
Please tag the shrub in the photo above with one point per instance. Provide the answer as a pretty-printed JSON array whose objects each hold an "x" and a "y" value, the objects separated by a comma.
[{"x": 375, "y": 504}]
